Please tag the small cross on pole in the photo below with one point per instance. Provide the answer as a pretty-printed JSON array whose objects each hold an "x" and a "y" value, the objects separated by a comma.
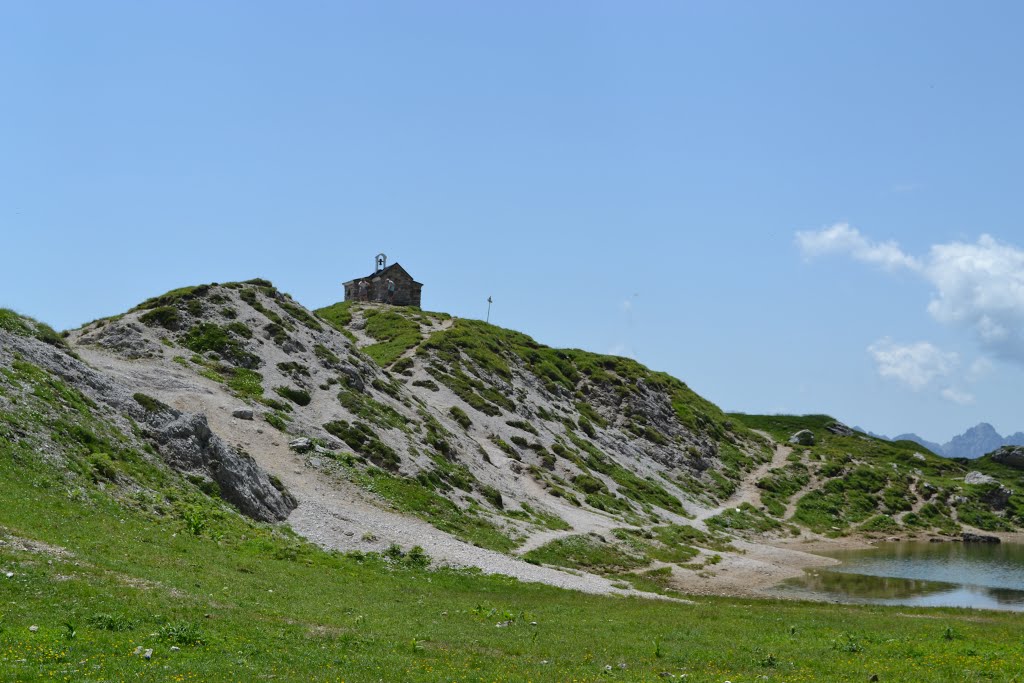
[{"x": 489, "y": 302}]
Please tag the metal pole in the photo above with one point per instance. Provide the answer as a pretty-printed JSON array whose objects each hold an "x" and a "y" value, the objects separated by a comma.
[{"x": 489, "y": 302}]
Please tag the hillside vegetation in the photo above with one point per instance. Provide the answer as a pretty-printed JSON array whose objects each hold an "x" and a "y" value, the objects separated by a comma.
[{"x": 845, "y": 481}]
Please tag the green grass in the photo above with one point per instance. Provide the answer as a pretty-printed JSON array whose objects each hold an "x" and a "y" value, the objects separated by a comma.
[
  {"x": 175, "y": 297},
  {"x": 338, "y": 316},
  {"x": 364, "y": 441},
  {"x": 206, "y": 337},
  {"x": 409, "y": 495},
  {"x": 29, "y": 327},
  {"x": 744, "y": 518},
  {"x": 299, "y": 397},
  {"x": 162, "y": 316},
  {"x": 583, "y": 551},
  {"x": 394, "y": 332},
  {"x": 371, "y": 410},
  {"x": 459, "y": 415}
]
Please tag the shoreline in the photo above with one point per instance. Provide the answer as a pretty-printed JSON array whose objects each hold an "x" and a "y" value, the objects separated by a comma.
[{"x": 761, "y": 565}]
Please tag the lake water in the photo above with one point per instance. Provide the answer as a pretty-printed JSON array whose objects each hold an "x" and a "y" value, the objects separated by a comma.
[{"x": 982, "y": 575}]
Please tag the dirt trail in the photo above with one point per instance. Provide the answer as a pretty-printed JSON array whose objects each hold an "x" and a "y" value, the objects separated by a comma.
[{"x": 747, "y": 492}]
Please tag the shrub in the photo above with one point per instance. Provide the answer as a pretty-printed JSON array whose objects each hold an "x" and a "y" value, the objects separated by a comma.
[
  {"x": 459, "y": 415},
  {"x": 361, "y": 439},
  {"x": 299, "y": 397},
  {"x": 163, "y": 316},
  {"x": 492, "y": 495},
  {"x": 589, "y": 484},
  {"x": 210, "y": 337},
  {"x": 276, "y": 421},
  {"x": 523, "y": 425}
]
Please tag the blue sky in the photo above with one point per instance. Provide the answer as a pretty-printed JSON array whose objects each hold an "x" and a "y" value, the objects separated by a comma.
[{"x": 783, "y": 204}]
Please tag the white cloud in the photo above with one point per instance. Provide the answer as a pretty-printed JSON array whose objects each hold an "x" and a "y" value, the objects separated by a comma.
[
  {"x": 977, "y": 286},
  {"x": 957, "y": 396},
  {"x": 916, "y": 365},
  {"x": 981, "y": 286},
  {"x": 842, "y": 238},
  {"x": 979, "y": 369}
]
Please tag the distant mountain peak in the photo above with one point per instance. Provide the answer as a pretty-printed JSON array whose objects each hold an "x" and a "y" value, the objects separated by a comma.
[{"x": 975, "y": 442}]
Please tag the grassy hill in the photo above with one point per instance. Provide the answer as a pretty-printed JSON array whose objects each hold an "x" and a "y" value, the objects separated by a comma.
[
  {"x": 107, "y": 554},
  {"x": 112, "y": 546}
]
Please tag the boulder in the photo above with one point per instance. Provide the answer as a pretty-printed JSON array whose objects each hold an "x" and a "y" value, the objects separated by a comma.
[
  {"x": 242, "y": 413},
  {"x": 968, "y": 537},
  {"x": 978, "y": 478},
  {"x": 805, "y": 437}
]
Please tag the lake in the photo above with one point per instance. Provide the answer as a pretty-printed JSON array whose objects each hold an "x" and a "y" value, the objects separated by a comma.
[{"x": 981, "y": 575}]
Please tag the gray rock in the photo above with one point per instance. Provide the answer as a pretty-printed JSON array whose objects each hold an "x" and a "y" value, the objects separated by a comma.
[
  {"x": 805, "y": 437},
  {"x": 33, "y": 628},
  {"x": 301, "y": 444},
  {"x": 188, "y": 445},
  {"x": 968, "y": 537},
  {"x": 242, "y": 413},
  {"x": 148, "y": 654},
  {"x": 978, "y": 478},
  {"x": 126, "y": 340},
  {"x": 919, "y": 456},
  {"x": 839, "y": 429},
  {"x": 997, "y": 497}
]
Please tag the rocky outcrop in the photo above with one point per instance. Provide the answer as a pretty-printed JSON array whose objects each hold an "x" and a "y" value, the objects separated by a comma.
[
  {"x": 998, "y": 497},
  {"x": 1011, "y": 456},
  {"x": 968, "y": 537},
  {"x": 839, "y": 429},
  {"x": 127, "y": 340},
  {"x": 188, "y": 445},
  {"x": 184, "y": 440}
]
